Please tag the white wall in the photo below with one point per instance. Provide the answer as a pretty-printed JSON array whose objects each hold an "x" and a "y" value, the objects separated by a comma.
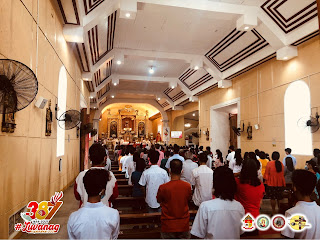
[{"x": 220, "y": 132}]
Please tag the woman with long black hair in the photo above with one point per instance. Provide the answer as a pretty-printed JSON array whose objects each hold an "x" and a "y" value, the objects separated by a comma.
[{"x": 274, "y": 177}]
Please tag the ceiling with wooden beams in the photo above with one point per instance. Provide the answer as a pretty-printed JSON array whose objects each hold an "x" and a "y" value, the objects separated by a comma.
[{"x": 174, "y": 36}]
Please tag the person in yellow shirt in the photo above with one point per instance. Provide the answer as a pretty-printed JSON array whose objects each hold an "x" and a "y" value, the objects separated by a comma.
[{"x": 264, "y": 161}]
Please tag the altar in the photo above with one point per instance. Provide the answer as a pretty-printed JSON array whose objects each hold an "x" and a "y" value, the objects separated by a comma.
[{"x": 127, "y": 125}]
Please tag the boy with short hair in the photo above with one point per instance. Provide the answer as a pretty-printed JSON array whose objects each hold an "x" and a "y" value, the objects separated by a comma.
[
  {"x": 94, "y": 220},
  {"x": 174, "y": 197},
  {"x": 304, "y": 183},
  {"x": 152, "y": 178},
  {"x": 202, "y": 180}
]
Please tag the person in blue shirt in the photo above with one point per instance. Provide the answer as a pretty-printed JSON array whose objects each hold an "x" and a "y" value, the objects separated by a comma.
[
  {"x": 288, "y": 154},
  {"x": 176, "y": 155}
]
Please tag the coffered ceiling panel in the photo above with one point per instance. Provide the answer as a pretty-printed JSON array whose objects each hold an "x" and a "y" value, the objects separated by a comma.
[
  {"x": 235, "y": 47},
  {"x": 289, "y": 15}
]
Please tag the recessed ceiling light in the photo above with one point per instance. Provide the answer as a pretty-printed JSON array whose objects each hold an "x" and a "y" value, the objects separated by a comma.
[
  {"x": 119, "y": 62},
  {"x": 285, "y": 58},
  {"x": 159, "y": 99},
  {"x": 194, "y": 114},
  {"x": 91, "y": 97},
  {"x": 196, "y": 67},
  {"x": 115, "y": 84},
  {"x": 99, "y": 119},
  {"x": 172, "y": 87},
  {"x": 246, "y": 28},
  {"x": 151, "y": 70},
  {"x": 128, "y": 15},
  {"x": 112, "y": 96},
  {"x": 187, "y": 125}
]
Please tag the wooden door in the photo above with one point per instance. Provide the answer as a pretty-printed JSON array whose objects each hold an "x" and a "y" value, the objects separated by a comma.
[{"x": 233, "y": 123}]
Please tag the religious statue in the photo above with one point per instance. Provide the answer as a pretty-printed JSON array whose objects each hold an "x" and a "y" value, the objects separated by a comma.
[
  {"x": 48, "y": 119},
  {"x": 113, "y": 129},
  {"x": 141, "y": 129},
  {"x": 8, "y": 123},
  {"x": 158, "y": 138}
]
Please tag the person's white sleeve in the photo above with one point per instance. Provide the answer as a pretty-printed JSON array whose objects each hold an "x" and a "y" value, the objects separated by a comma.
[
  {"x": 116, "y": 230},
  {"x": 231, "y": 164},
  {"x": 70, "y": 233},
  {"x": 192, "y": 179},
  {"x": 168, "y": 164},
  {"x": 167, "y": 179},
  {"x": 142, "y": 180},
  {"x": 287, "y": 232},
  {"x": 200, "y": 224}
]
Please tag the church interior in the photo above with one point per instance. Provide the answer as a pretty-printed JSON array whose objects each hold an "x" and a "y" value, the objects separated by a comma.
[{"x": 210, "y": 73}]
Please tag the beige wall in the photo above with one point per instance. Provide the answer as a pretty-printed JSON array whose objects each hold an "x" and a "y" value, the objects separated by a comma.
[
  {"x": 155, "y": 123},
  {"x": 270, "y": 80},
  {"x": 29, "y": 166},
  {"x": 179, "y": 125}
]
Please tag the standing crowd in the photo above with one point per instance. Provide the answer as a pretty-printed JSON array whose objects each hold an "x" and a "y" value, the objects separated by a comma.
[{"x": 223, "y": 190}]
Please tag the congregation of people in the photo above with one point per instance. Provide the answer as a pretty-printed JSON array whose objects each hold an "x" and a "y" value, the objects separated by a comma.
[{"x": 171, "y": 178}]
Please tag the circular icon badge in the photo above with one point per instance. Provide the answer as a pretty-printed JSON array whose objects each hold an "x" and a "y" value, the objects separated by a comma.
[
  {"x": 263, "y": 222},
  {"x": 278, "y": 222},
  {"x": 298, "y": 223}
]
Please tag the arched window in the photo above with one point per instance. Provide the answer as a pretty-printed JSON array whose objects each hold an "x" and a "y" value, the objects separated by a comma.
[
  {"x": 62, "y": 102},
  {"x": 296, "y": 106}
]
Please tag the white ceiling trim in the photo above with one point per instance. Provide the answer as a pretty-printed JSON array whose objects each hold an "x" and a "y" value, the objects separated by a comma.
[{"x": 204, "y": 5}]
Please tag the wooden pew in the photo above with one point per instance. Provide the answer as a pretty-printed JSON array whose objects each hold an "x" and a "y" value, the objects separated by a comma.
[
  {"x": 120, "y": 176},
  {"x": 134, "y": 202},
  {"x": 122, "y": 181},
  {"x": 135, "y": 221},
  {"x": 117, "y": 172},
  {"x": 125, "y": 190}
]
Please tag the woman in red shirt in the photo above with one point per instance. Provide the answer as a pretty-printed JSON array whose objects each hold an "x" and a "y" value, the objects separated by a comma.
[
  {"x": 250, "y": 190},
  {"x": 274, "y": 176}
]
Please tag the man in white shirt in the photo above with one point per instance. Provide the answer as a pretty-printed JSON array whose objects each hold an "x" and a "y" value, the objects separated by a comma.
[
  {"x": 304, "y": 183},
  {"x": 176, "y": 155},
  {"x": 231, "y": 154},
  {"x": 152, "y": 178},
  {"x": 128, "y": 162},
  {"x": 220, "y": 218},
  {"x": 97, "y": 155},
  {"x": 288, "y": 154},
  {"x": 188, "y": 166},
  {"x": 202, "y": 180},
  {"x": 94, "y": 220},
  {"x": 123, "y": 160}
]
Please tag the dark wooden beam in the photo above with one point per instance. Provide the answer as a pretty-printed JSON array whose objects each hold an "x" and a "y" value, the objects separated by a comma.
[{"x": 318, "y": 3}]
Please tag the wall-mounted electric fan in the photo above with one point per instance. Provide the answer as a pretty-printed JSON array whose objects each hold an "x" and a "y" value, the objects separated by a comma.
[
  {"x": 18, "y": 86},
  {"x": 309, "y": 123},
  {"x": 69, "y": 119}
]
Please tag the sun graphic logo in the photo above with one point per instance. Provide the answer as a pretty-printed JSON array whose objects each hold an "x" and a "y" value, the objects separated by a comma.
[{"x": 299, "y": 223}]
